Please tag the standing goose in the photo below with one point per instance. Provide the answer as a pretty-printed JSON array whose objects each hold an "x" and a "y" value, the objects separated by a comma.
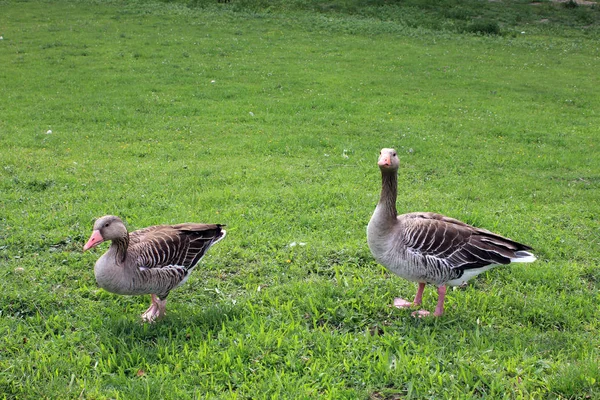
[
  {"x": 153, "y": 260},
  {"x": 425, "y": 247}
]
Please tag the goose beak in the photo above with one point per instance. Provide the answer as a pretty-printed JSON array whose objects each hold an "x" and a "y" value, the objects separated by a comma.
[
  {"x": 384, "y": 161},
  {"x": 94, "y": 240}
]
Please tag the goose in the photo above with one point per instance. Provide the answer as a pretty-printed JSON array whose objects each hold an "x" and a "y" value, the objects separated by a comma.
[
  {"x": 426, "y": 247},
  {"x": 153, "y": 260}
]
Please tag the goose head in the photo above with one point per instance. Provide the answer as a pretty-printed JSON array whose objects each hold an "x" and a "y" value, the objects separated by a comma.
[
  {"x": 388, "y": 160},
  {"x": 106, "y": 228}
]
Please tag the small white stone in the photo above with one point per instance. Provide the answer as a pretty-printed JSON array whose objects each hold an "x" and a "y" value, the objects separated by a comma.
[
  {"x": 213, "y": 81},
  {"x": 251, "y": 114},
  {"x": 49, "y": 131}
]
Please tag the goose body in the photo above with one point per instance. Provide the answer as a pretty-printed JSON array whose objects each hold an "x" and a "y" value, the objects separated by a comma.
[
  {"x": 153, "y": 260},
  {"x": 426, "y": 247}
]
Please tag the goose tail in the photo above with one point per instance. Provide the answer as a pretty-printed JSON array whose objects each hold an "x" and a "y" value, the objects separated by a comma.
[{"x": 523, "y": 256}]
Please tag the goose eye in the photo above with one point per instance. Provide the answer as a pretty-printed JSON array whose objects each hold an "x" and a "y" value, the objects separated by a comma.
[
  {"x": 106, "y": 224},
  {"x": 394, "y": 154}
]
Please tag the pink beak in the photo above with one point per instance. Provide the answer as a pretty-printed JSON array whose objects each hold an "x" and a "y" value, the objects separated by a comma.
[
  {"x": 94, "y": 240},
  {"x": 384, "y": 161}
]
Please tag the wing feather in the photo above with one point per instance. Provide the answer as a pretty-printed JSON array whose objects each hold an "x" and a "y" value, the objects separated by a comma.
[
  {"x": 454, "y": 243},
  {"x": 172, "y": 246}
]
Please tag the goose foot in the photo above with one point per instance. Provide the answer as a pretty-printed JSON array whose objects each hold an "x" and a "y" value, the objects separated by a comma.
[
  {"x": 439, "y": 308},
  {"x": 420, "y": 314},
  {"x": 425, "y": 313},
  {"x": 401, "y": 303},
  {"x": 155, "y": 311}
]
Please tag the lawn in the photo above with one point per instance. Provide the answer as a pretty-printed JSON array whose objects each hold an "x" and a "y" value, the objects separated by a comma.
[{"x": 269, "y": 119}]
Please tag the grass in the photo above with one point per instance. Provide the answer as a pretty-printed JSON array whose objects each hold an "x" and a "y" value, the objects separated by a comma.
[{"x": 270, "y": 120}]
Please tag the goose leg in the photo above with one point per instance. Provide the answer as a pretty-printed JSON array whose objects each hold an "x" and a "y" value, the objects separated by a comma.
[
  {"x": 439, "y": 309},
  {"x": 156, "y": 310},
  {"x": 419, "y": 296},
  {"x": 401, "y": 303}
]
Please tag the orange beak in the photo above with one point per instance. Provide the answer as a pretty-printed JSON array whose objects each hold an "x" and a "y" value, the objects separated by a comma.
[{"x": 94, "y": 240}]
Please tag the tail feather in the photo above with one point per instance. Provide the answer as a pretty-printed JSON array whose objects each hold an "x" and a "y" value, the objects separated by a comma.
[{"x": 523, "y": 256}]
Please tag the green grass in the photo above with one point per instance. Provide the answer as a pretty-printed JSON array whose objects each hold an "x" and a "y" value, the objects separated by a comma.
[{"x": 270, "y": 120}]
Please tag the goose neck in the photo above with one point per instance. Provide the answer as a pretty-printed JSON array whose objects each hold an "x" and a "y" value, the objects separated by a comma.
[
  {"x": 389, "y": 192},
  {"x": 119, "y": 248}
]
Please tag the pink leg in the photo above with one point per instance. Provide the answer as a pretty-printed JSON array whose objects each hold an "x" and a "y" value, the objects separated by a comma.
[
  {"x": 156, "y": 310},
  {"x": 439, "y": 309},
  {"x": 401, "y": 303},
  {"x": 419, "y": 296}
]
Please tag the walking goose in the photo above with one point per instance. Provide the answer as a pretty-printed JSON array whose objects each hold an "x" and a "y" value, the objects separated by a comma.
[
  {"x": 425, "y": 247},
  {"x": 153, "y": 260}
]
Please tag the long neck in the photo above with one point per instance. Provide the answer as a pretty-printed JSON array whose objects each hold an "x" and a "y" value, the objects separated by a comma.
[
  {"x": 389, "y": 193},
  {"x": 119, "y": 248}
]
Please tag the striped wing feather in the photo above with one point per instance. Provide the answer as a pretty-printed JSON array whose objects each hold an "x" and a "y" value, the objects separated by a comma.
[
  {"x": 455, "y": 243},
  {"x": 180, "y": 245}
]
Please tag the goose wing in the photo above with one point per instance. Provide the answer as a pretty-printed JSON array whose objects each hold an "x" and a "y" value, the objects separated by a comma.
[
  {"x": 456, "y": 244},
  {"x": 180, "y": 245}
]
